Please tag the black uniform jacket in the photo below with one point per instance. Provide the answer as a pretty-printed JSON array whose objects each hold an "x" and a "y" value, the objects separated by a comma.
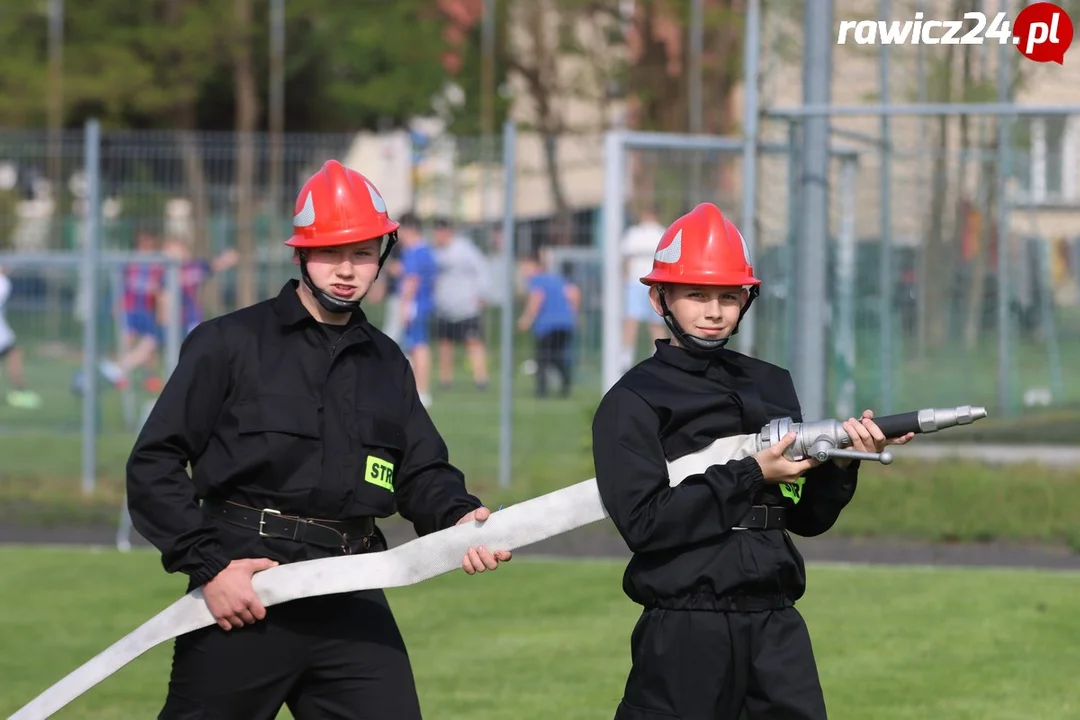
[
  {"x": 274, "y": 410},
  {"x": 686, "y": 554}
]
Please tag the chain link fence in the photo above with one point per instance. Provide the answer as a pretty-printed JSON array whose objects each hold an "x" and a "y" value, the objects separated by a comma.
[
  {"x": 912, "y": 309},
  {"x": 178, "y": 227},
  {"x": 967, "y": 200}
]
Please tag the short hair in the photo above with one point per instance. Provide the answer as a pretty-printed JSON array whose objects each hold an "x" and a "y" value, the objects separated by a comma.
[{"x": 408, "y": 219}]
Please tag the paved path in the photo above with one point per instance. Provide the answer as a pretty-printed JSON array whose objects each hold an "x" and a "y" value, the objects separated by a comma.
[
  {"x": 600, "y": 540},
  {"x": 1064, "y": 456}
]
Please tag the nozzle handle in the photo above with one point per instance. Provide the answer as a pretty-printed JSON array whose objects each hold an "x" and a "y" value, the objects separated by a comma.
[
  {"x": 894, "y": 426},
  {"x": 929, "y": 420}
]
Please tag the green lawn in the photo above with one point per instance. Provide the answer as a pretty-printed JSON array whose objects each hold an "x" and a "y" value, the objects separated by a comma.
[
  {"x": 40, "y": 452},
  {"x": 550, "y": 639}
]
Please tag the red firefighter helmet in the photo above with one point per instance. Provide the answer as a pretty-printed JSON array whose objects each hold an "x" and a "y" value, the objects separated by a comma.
[
  {"x": 338, "y": 206},
  {"x": 702, "y": 248}
]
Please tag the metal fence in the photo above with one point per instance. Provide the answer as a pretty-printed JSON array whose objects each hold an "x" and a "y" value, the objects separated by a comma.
[
  {"x": 70, "y": 270},
  {"x": 917, "y": 299},
  {"x": 966, "y": 208}
]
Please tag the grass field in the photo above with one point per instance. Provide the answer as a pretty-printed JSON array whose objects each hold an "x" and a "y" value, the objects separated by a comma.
[
  {"x": 39, "y": 472},
  {"x": 40, "y": 453},
  {"x": 550, "y": 639}
]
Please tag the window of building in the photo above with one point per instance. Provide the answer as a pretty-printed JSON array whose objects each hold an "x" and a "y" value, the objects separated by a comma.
[{"x": 1046, "y": 164}]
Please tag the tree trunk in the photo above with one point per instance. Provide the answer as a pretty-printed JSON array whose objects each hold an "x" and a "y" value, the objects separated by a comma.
[
  {"x": 976, "y": 299},
  {"x": 247, "y": 114},
  {"x": 723, "y": 65},
  {"x": 561, "y": 224},
  {"x": 934, "y": 284},
  {"x": 185, "y": 113}
]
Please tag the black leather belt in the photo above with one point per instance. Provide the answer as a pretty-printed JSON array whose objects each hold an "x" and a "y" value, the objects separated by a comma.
[
  {"x": 271, "y": 523},
  {"x": 764, "y": 517}
]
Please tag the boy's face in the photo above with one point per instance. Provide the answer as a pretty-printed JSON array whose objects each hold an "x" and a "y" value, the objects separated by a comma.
[
  {"x": 344, "y": 271},
  {"x": 704, "y": 311}
]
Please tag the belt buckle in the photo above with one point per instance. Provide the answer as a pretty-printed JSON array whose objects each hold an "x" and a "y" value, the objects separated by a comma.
[
  {"x": 262, "y": 520},
  {"x": 766, "y": 525}
]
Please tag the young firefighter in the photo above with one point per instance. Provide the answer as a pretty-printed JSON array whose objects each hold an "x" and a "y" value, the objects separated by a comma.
[
  {"x": 302, "y": 426},
  {"x": 713, "y": 565}
]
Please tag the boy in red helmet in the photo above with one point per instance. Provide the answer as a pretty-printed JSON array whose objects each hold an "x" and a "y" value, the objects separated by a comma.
[
  {"x": 713, "y": 566},
  {"x": 302, "y": 426}
]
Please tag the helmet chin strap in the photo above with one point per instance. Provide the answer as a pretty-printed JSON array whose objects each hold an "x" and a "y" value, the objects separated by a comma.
[
  {"x": 333, "y": 304},
  {"x": 702, "y": 347}
]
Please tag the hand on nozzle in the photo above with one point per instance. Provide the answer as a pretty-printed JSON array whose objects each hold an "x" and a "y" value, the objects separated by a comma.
[
  {"x": 866, "y": 436},
  {"x": 778, "y": 469}
]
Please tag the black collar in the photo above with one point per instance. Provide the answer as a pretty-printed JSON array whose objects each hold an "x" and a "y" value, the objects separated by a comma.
[
  {"x": 291, "y": 311},
  {"x": 685, "y": 360},
  {"x": 680, "y": 357},
  {"x": 729, "y": 368}
]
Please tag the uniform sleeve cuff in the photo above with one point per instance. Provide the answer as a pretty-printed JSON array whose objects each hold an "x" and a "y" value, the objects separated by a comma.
[
  {"x": 209, "y": 569},
  {"x": 754, "y": 477}
]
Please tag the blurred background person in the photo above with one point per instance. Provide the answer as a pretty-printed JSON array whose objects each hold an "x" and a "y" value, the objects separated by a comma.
[
  {"x": 11, "y": 355},
  {"x": 462, "y": 286},
  {"x": 638, "y": 246},
  {"x": 387, "y": 290},
  {"x": 143, "y": 336},
  {"x": 417, "y": 302},
  {"x": 194, "y": 272},
  {"x": 551, "y": 309}
]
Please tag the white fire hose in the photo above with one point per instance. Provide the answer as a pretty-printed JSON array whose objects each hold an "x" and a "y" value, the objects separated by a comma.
[
  {"x": 441, "y": 552},
  {"x": 421, "y": 559}
]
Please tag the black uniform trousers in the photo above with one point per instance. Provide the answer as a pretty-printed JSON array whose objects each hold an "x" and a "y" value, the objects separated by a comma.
[
  {"x": 702, "y": 665},
  {"x": 336, "y": 657}
]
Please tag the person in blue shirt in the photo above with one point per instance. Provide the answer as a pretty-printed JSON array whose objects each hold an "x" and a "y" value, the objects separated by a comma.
[
  {"x": 551, "y": 313},
  {"x": 417, "y": 301}
]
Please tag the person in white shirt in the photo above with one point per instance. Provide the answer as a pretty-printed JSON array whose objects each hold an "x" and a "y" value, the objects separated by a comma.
[
  {"x": 18, "y": 396},
  {"x": 638, "y": 247},
  {"x": 462, "y": 287}
]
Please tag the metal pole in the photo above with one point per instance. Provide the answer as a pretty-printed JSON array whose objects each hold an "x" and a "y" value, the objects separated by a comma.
[
  {"x": 998, "y": 108},
  {"x": 614, "y": 217},
  {"x": 791, "y": 241},
  {"x": 91, "y": 251},
  {"x": 277, "y": 102},
  {"x": 123, "y": 526},
  {"x": 748, "y": 226},
  {"x": 924, "y": 175},
  {"x": 810, "y": 271},
  {"x": 173, "y": 333},
  {"x": 671, "y": 141},
  {"x": 506, "y": 367},
  {"x": 885, "y": 274},
  {"x": 1004, "y": 286},
  {"x": 845, "y": 301}
]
